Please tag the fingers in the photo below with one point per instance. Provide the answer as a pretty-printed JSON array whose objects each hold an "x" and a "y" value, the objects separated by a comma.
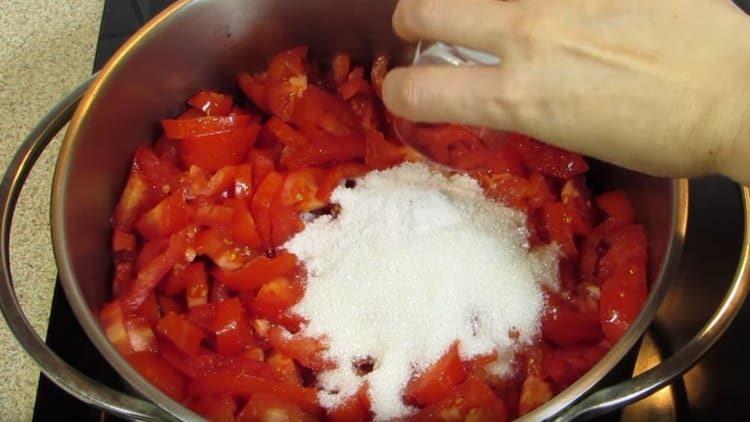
[
  {"x": 479, "y": 24},
  {"x": 482, "y": 96}
]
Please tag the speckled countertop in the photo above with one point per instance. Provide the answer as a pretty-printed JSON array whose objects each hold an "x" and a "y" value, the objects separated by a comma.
[{"x": 46, "y": 48}]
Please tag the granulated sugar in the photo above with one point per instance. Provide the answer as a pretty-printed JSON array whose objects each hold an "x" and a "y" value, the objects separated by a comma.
[{"x": 414, "y": 262}]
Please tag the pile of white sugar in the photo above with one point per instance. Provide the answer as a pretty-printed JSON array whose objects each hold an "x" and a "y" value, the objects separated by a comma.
[{"x": 414, "y": 262}]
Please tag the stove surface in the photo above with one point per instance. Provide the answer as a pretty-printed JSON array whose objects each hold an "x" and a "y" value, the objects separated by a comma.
[{"x": 714, "y": 389}]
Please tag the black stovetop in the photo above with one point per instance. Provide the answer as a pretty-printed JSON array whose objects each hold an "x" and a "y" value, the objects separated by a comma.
[{"x": 714, "y": 389}]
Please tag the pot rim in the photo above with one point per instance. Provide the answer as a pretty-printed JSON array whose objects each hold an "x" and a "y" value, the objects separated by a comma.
[{"x": 89, "y": 321}]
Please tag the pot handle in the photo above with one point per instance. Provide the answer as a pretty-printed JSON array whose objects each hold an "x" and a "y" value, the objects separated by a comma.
[
  {"x": 643, "y": 385},
  {"x": 58, "y": 371}
]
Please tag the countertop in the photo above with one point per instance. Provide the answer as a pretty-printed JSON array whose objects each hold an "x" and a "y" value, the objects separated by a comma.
[{"x": 46, "y": 49}]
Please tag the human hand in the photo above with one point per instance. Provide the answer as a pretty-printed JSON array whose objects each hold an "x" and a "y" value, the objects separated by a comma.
[{"x": 659, "y": 86}]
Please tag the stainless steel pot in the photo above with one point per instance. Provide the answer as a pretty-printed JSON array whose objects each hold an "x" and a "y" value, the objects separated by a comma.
[{"x": 196, "y": 44}]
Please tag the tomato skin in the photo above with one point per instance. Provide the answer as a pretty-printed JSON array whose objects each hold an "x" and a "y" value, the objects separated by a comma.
[
  {"x": 231, "y": 327},
  {"x": 168, "y": 217},
  {"x": 206, "y": 125},
  {"x": 160, "y": 373},
  {"x": 137, "y": 197},
  {"x": 258, "y": 271},
  {"x": 616, "y": 205},
  {"x": 183, "y": 334},
  {"x": 212, "y": 103},
  {"x": 213, "y": 151},
  {"x": 438, "y": 380}
]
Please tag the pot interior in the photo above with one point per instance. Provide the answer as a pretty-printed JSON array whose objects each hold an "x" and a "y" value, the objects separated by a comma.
[{"x": 203, "y": 44}]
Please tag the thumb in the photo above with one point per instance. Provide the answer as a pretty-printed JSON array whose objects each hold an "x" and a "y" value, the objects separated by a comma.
[{"x": 480, "y": 96}]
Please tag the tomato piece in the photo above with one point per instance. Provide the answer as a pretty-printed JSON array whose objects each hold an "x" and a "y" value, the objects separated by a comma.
[
  {"x": 622, "y": 298},
  {"x": 283, "y": 95},
  {"x": 566, "y": 365},
  {"x": 473, "y": 400},
  {"x": 166, "y": 218},
  {"x": 170, "y": 304},
  {"x": 534, "y": 393},
  {"x": 300, "y": 190},
  {"x": 112, "y": 319},
  {"x": 285, "y": 368},
  {"x": 150, "y": 250},
  {"x": 564, "y": 326},
  {"x": 276, "y": 297},
  {"x": 151, "y": 274},
  {"x": 214, "y": 151},
  {"x": 183, "y": 334},
  {"x": 288, "y": 64},
  {"x": 626, "y": 251},
  {"x": 437, "y": 381},
  {"x": 215, "y": 409},
  {"x": 319, "y": 109},
  {"x": 262, "y": 162},
  {"x": 377, "y": 74},
  {"x": 196, "y": 293},
  {"x": 285, "y": 223},
  {"x": 547, "y": 159},
  {"x": 212, "y": 215},
  {"x": 243, "y": 384},
  {"x": 212, "y": 103},
  {"x": 559, "y": 228},
  {"x": 216, "y": 243},
  {"x": 354, "y": 409},
  {"x": 207, "y": 125},
  {"x": 162, "y": 174},
  {"x": 160, "y": 373},
  {"x": 123, "y": 278},
  {"x": 336, "y": 176},
  {"x": 539, "y": 191},
  {"x": 285, "y": 133},
  {"x": 180, "y": 278},
  {"x": 268, "y": 407},
  {"x": 254, "y": 88},
  {"x": 308, "y": 352},
  {"x": 149, "y": 309},
  {"x": 616, "y": 205},
  {"x": 576, "y": 199},
  {"x": 123, "y": 246},
  {"x": 340, "y": 66},
  {"x": 381, "y": 154},
  {"x": 137, "y": 197},
  {"x": 354, "y": 87},
  {"x": 231, "y": 327},
  {"x": 242, "y": 228},
  {"x": 258, "y": 271},
  {"x": 591, "y": 249},
  {"x": 208, "y": 362},
  {"x": 261, "y": 204}
]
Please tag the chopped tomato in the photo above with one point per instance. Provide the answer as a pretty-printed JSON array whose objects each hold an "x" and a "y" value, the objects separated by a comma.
[
  {"x": 258, "y": 272},
  {"x": 547, "y": 159},
  {"x": 340, "y": 66},
  {"x": 336, "y": 175},
  {"x": 242, "y": 228},
  {"x": 324, "y": 148},
  {"x": 318, "y": 109},
  {"x": 276, "y": 296},
  {"x": 216, "y": 243},
  {"x": 261, "y": 204},
  {"x": 231, "y": 327},
  {"x": 381, "y": 154},
  {"x": 182, "y": 277},
  {"x": 285, "y": 221},
  {"x": 160, "y": 373},
  {"x": 437, "y": 381},
  {"x": 242, "y": 384},
  {"x": 201, "y": 126},
  {"x": 285, "y": 133},
  {"x": 559, "y": 228},
  {"x": 300, "y": 190},
  {"x": 564, "y": 326},
  {"x": 183, "y": 334},
  {"x": 212, "y": 103},
  {"x": 149, "y": 309},
  {"x": 354, "y": 409},
  {"x": 162, "y": 174},
  {"x": 506, "y": 188},
  {"x": 215, "y": 409},
  {"x": 168, "y": 217},
  {"x": 534, "y": 393},
  {"x": 262, "y": 162},
  {"x": 473, "y": 400},
  {"x": 539, "y": 192},
  {"x": 285, "y": 368},
  {"x": 150, "y": 276},
  {"x": 622, "y": 298},
  {"x": 268, "y": 407},
  {"x": 566, "y": 365},
  {"x": 308, "y": 352},
  {"x": 137, "y": 197},
  {"x": 255, "y": 89},
  {"x": 616, "y": 205},
  {"x": 150, "y": 250},
  {"x": 212, "y": 215},
  {"x": 288, "y": 64},
  {"x": 213, "y": 151}
]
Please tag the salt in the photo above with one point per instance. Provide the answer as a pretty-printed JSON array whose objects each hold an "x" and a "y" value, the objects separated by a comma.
[{"x": 414, "y": 262}]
